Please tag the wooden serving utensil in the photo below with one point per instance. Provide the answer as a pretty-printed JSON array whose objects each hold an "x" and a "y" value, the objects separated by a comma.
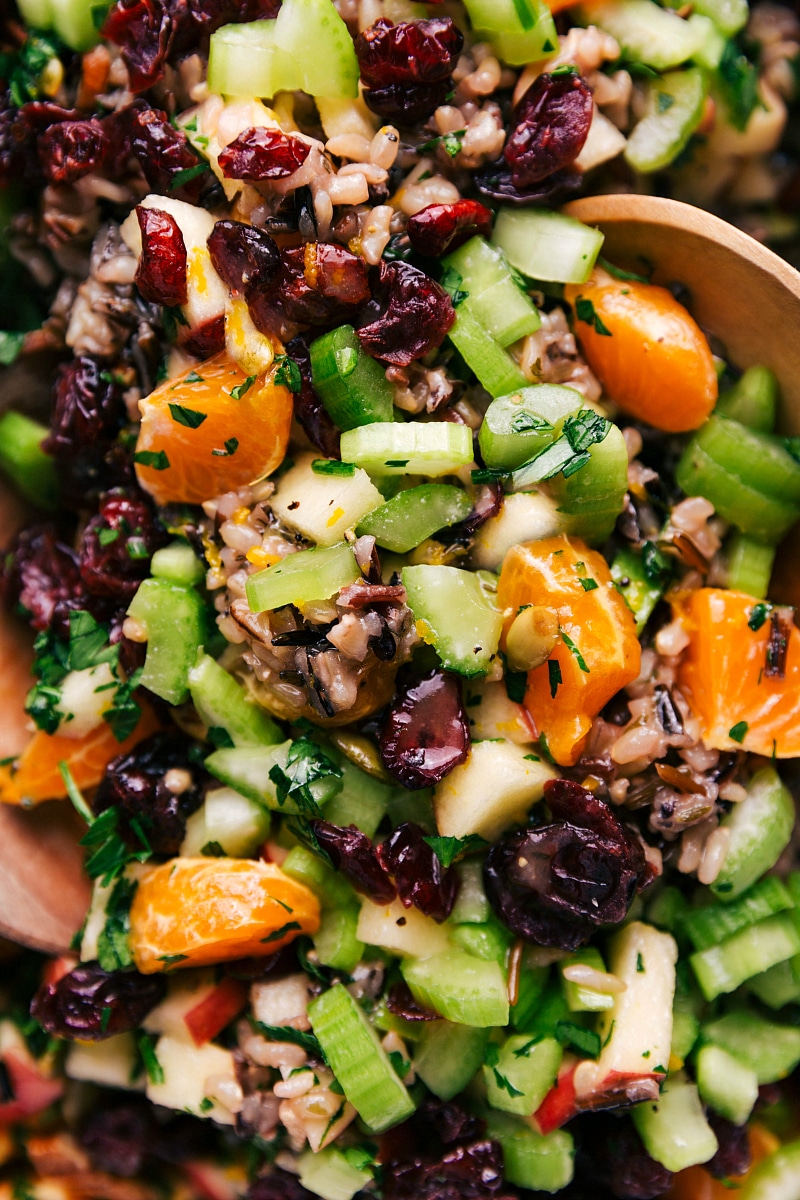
[{"x": 740, "y": 292}]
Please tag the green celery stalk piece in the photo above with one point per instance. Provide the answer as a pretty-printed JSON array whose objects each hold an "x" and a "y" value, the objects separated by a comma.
[
  {"x": 352, "y": 386},
  {"x": 178, "y": 563},
  {"x": 759, "y": 460},
  {"x": 639, "y": 593},
  {"x": 753, "y": 400},
  {"x": 247, "y": 770},
  {"x": 646, "y": 33},
  {"x": 779, "y": 985},
  {"x": 593, "y": 497},
  {"x": 763, "y": 517},
  {"x": 770, "y": 1049},
  {"x": 674, "y": 1129},
  {"x": 776, "y": 1177},
  {"x": 335, "y": 941},
  {"x": 358, "y": 1061},
  {"x": 412, "y": 448},
  {"x": 721, "y": 969},
  {"x": 73, "y": 21},
  {"x": 493, "y": 365},
  {"x": 316, "y": 40},
  {"x": 729, "y": 16},
  {"x": 673, "y": 110},
  {"x": 467, "y": 990},
  {"x": 709, "y": 926},
  {"x": 299, "y": 578},
  {"x": 525, "y": 1071},
  {"x": 546, "y": 245},
  {"x": 415, "y": 514},
  {"x": 447, "y": 1056},
  {"x": 24, "y": 462},
  {"x": 173, "y": 618},
  {"x": 531, "y": 1160},
  {"x": 749, "y": 565},
  {"x": 245, "y": 60},
  {"x": 222, "y": 702},
  {"x": 760, "y": 828},
  {"x": 455, "y": 616},
  {"x": 520, "y": 425},
  {"x": 490, "y": 941},
  {"x": 495, "y": 300},
  {"x": 330, "y": 1174}
]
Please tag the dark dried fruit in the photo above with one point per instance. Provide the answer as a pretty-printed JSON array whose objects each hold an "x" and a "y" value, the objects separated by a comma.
[
  {"x": 158, "y": 783},
  {"x": 146, "y": 135},
  {"x": 419, "y": 876},
  {"x": 426, "y": 732},
  {"x": 494, "y": 181},
  {"x": 124, "y": 1136},
  {"x": 161, "y": 273},
  {"x": 409, "y": 315},
  {"x": 471, "y": 1171},
  {"x": 308, "y": 408},
  {"x": 88, "y": 413},
  {"x": 733, "y": 1156},
  {"x": 407, "y": 104},
  {"x": 143, "y": 30},
  {"x": 92, "y": 1004},
  {"x": 400, "y": 1002},
  {"x": 243, "y": 256},
  {"x": 352, "y": 853},
  {"x": 41, "y": 576},
  {"x": 319, "y": 284},
  {"x": 439, "y": 228},
  {"x": 204, "y": 340},
  {"x": 613, "y": 1154},
  {"x": 259, "y": 153},
  {"x": 777, "y": 646},
  {"x": 487, "y": 504},
  {"x": 551, "y": 125},
  {"x": 20, "y": 130},
  {"x": 118, "y": 543},
  {"x": 449, "y": 1122},
  {"x": 409, "y": 52},
  {"x": 71, "y": 149},
  {"x": 278, "y": 1185},
  {"x": 554, "y": 884}
]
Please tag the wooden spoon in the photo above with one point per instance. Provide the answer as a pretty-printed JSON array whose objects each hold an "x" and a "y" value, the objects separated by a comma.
[{"x": 741, "y": 292}]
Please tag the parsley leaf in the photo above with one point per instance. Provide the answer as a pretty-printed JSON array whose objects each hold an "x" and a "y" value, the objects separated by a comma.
[
  {"x": 554, "y": 675},
  {"x": 567, "y": 454},
  {"x": 156, "y": 459},
  {"x": 123, "y": 716},
  {"x": 738, "y": 79},
  {"x": 186, "y": 175},
  {"x": 306, "y": 765},
  {"x": 147, "y": 1052},
  {"x": 586, "y": 312},
  {"x": 524, "y": 421},
  {"x": 288, "y": 373},
  {"x": 584, "y": 1040},
  {"x": 242, "y": 388},
  {"x": 739, "y": 732},
  {"x": 450, "y": 849},
  {"x": 110, "y": 853},
  {"x": 657, "y": 566},
  {"x": 758, "y": 615},
  {"x": 277, "y": 934},
  {"x": 189, "y": 417},
  {"x": 10, "y": 346},
  {"x": 113, "y": 950},
  {"x": 618, "y": 273},
  {"x": 573, "y": 649},
  {"x": 331, "y": 466},
  {"x": 451, "y": 280},
  {"x": 231, "y": 446}
]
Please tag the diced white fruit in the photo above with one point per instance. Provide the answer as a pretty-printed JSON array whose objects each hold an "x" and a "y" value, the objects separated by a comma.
[
  {"x": 95, "y": 920},
  {"x": 111, "y": 1063},
  {"x": 196, "y": 835},
  {"x": 246, "y": 345},
  {"x": 493, "y": 789},
  {"x": 405, "y": 931},
  {"x": 636, "y": 1032},
  {"x": 493, "y": 715},
  {"x": 185, "y": 991},
  {"x": 282, "y": 1001},
  {"x": 603, "y": 143},
  {"x": 207, "y": 293},
  {"x": 525, "y": 517},
  {"x": 238, "y": 824},
  {"x": 342, "y": 117},
  {"x": 194, "y": 1075},
  {"x": 322, "y": 507},
  {"x": 85, "y": 696}
]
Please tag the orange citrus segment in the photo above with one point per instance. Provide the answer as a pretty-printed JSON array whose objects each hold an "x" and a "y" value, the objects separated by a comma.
[
  {"x": 190, "y": 912},
  {"x": 654, "y": 361},
  {"x": 724, "y": 679},
  {"x": 605, "y": 653},
  {"x": 35, "y": 776},
  {"x": 211, "y": 431}
]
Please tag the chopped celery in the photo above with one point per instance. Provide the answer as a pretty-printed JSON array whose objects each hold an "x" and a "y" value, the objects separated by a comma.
[
  {"x": 316, "y": 40},
  {"x": 540, "y": 1163},
  {"x": 647, "y": 33},
  {"x": 414, "y": 515},
  {"x": 711, "y": 49},
  {"x": 363, "y": 800},
  {"x": 352, "y": 386},
  {"x": 725, "y": 1084},
  {"x": 454, "y": 614},
  {"x": 248, "y": 770},
  {"x": 729, "y": 16},
  {"x": 74, "y": 22},
  {"x": 24, "y": 462},
  {"x": 520, "y": 425},
  {"x": 707, "y": 927},
  {"x": 593, "y": 497},
  {"x": 236, "y": 823},
  {"x": 770, "y": 1049},
  {"x": 674, "y": 1129},
  {"x": 330, "y": 887},
  {"x": 490, "y": 940},
  {"x": 447, "y": 1056},
  {"x": 392, "y": 448},
  {"x": 749, "y": 477},
  {"x": 178, "y": 563},
  {"x": 521, "y": 31},
  {"x": 521, "y": 1072},
  {"x": 674, "y": 108},
  {"x": 580, "y": 997},
  {"x": 667, "y": 909},
  {"x": 640, "y": 593},
  {"x": 471, "y": 906},
  {"x": 336, "y": 941},
  {"x": 547, "y": 245},
  {"x": 174, "y": 620},
  {"x": 749, "y": 565},
  {"x": 222, "y": 703},
  {"x": 722, "y": 968},
  {"x": 493, "y": 298},
  {"x": 760, "y": 828},
  {"x": 299, "y": 578},
  {"x": 461, "y": 988},
  {"x": 533, "y": 983},
  {"x": 753, "y": 400},
  {"x": 356, "y": 1058},
  {"x": 329, "y": 1173},
  {"x": 494, "y": 366},
  {"x": 776, "y": 1177},
  {"x": 779, "y": 985},
  {"x": 244, "y": 60}
]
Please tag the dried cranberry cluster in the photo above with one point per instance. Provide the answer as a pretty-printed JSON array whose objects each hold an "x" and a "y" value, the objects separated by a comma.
[
  {"x": 554, "y": 884},
  {"x": 91, "y": 1004},
  {"x": 407, "y": 68}
]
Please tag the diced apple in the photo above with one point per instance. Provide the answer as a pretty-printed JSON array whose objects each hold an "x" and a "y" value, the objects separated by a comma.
[
  {"x": 282, "y": 1001},
  {"x": 404, "y": 931},
  {"x": 322, "y": 507},
  {"x": 604, "y": 142},
  {"x": 85, "y": 696},
  {"x": 32, "y": 1087},
  {"x": 524, "y": 517},
  {"x": 111, "y": 1063},
  {"x": 493, "y": 789},
  {"x": 186, "y": 991},
  {"x": 559, "y": 1105},
  {"x": 493, "y": 715},
  {"x": 191, "y": 1074},
  {"x": 210, "y": 1016}
]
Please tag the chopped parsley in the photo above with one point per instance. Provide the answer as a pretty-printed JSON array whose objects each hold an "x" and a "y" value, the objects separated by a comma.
[
  {"x": 288, "y": 373},
  {"x": 738, "y": 79},
  {"x": 758, "y": 615},
  {"x": 231, "y": 446},
  {"x": 451, "y": 280},
  {"x": 212, "y": 850},
  {"x": 586, "y": 312},
  {"x": 156, "y": 459},
  {"x": 588, "y": 585},
  {"x": 277, "y": 934},
  {"x": 286, "y": 1033},
  {"x": 554, "y": 675},
  {"x": 242, "y": 388},
  {"x": 331, "y": 466},
  {"x": 10, "y": 347},
  {"x": 146, "y": 1046},
  {"x": 110, "y": 853},
  {"x": 738, "y": 732},
  {"x": 618, "y": 272},
  {"x": 573, "y": 649},
  {"x": 586, "y": 1041},
  {"x": 186, "y": 175},
  {"x": 568, "y": 453},
  {"x": 664, "y": 102},
  {"x": 450, "y": 849},
  {"x": 189, "y": 417},
  {"x": 526, "y": 422},
  {"x": 113, "y": 949},
  {"x": 306, "y": 764},
  {"x": 657, "y": 567}
]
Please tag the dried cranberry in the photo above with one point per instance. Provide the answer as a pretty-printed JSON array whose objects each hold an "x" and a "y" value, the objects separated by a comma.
[
  {"x": 124, "y": 1136},
  {"x": 495, "y": 183},
  {"x": 92, "y": 1004},
  {"x": 420, "y": 878},
  {"x": 409, "y": 52},
  {"x": 161, "y": 273},
  {"x": 118, "y": 543},
  {"x": 554, "y": 884},
  {"x": 352, "y": 853},
  {"x": 551, "y": 125},
  {"x": 319, "y": 284},
  {"x": 20, "y": 130},
  {"x": 442, "y": 227},
  {"x": 278, "y": 1185},
  {"x": 139, "y": 783},
  {"x": 612, "y": 1153},
  {"x": 145, "y": 134},
  {"x": 39, "y": 574},
  {"x": 259, "y": 153},
  {"x": 206, "y": 340},
  {"x": 243, "y": 256},
  {"x": 733, "y": 1156},
  {"x": 407, "y": 104},
  {"x": 400, "y": 1002},
  {"x": 410, "y": 315},
  {"x": 468, "y": 1171},
  {"x": 71, "y": 149},
  {"x": 449, "y": 1122},
  {"x": 143, "y": 31},
  {"x": 426, "y": 732},
  {"x": 88, "y": 413},
  {"x": 308, "y": 408}
]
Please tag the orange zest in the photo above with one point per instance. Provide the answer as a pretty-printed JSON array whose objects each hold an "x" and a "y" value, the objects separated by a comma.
[
  {"x": 191, "y": 912},
  {"x": 723, "y": 676},
  {"x": 213, "y": 430},
  {"x": 35, "y": 775},
  {"x": 653, "y": 359},
  {"x": 598, "y": 651}
]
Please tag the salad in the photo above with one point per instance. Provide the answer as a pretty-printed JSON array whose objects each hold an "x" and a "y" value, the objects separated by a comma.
[{"x": 412, "y": 611}]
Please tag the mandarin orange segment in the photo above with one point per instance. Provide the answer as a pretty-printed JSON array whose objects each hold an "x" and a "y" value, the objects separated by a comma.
[
  {"x": 212, "y": 430},
  {"x": 653, "y": 360},
  {"x": 598, "y": 652},
  {"x": 35, "y": 775},
  {"x": 191, "y": 912},
  {"x": 723, "y": 676}
]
